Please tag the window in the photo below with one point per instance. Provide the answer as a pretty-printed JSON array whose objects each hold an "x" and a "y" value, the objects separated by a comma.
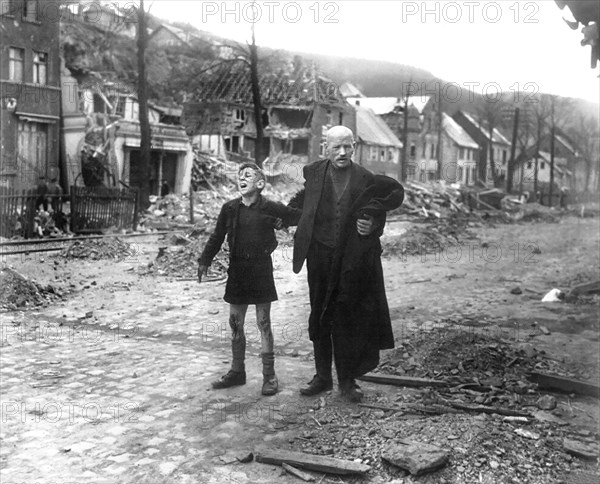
[
  {"x": 424, "y": 150},
  {"x": 432, "y": 151},
  {"x": 15, "y": 63},
  {"x": 32, "y": 150},
  {"x": 240, "y": 115},
  {"x": 322, "y": 149},
  {"x": 373, "y": 153},
  {"x": 504, "y": 156},
  {"x": 391, "y": 155},
  {"x": 382, "y": 155},
  {"x": 542, "y": 165},
  {"x": 411, "y": 170},
  {"x": 341, "y": 119},
  {"x": 7, "y": 7},
  {"x": 413, "y": 150},
  {"x": 40, "y": 64},
  {"x": 529, "y": 165},
  {"x": 30, "y": 9},
  {"x": 300, "y": 147},
  {"x": 461, "y": 153},
  {"x": 459, "y": 174}
]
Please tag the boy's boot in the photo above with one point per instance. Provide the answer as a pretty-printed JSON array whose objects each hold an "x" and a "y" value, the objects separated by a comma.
[
  {"x": 270, "y": 383},
  {"x": 237, "y": 374}
]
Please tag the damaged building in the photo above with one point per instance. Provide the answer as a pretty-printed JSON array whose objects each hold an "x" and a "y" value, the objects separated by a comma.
[
  {"x": 298, "y": 108},
  {"x": 101, "y": 139},
  {"x": 30, "y": 91}
]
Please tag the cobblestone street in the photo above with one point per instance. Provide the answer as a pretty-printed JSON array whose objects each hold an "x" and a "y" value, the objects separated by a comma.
[{"x": 113, "y": 385}]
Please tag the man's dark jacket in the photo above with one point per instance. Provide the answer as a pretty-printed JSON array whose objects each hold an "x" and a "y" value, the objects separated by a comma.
[{"x": 356, "y": 286}]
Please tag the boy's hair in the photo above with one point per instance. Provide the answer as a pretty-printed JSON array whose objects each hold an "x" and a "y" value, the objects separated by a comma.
[{"x": 256, "y": 168}]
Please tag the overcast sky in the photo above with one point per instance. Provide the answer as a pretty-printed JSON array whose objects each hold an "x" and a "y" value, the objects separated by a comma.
[{"x": 508, "y": 44}]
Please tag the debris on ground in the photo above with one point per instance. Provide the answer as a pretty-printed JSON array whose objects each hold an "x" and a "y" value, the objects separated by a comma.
[
  {"x": 486, "y": 419},
  {"x": 111, "y": 248},
  {"x": 330, "y": 465},
  {"x": 181, "y": 259},
  {"x": 17, "y": 291},
  {"x": 554, "y": 295},
  {"x": 417, "y": 458}
]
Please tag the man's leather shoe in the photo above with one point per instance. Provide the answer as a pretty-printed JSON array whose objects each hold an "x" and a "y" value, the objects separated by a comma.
[
  {"x": 316, "y": 386},
  {"x": 231, "y": 379},
  {"x": 351, "y": 391}
]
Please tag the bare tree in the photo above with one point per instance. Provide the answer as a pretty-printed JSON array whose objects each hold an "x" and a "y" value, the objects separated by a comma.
[
  {"x": 584, "y": 133},
  {"x": 490, "y": 113},
  {"x": 145, "y": 134},
  {"x": 560, "y": 109}
]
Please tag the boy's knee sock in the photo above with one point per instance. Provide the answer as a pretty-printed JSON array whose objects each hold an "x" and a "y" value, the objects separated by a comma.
[
  {"x": 238, "y": 349},
  {"x": 268, "y": 361}
]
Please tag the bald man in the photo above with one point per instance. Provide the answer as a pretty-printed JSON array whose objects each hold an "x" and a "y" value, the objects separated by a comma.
[{"x": 343, "y": 215}]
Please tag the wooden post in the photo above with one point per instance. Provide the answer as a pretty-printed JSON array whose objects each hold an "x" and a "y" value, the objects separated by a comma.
[
  {"x": 513, "y": 148},
  {"x": 160, "y": 171},
  {"x": 136, "y": 209},
  {"x": 191, "y": 204}
]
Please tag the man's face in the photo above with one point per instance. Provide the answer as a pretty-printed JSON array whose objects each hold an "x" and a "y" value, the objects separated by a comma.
[
  {"x": 249, "y": 181},
  {"x": 340, "y": 148}
]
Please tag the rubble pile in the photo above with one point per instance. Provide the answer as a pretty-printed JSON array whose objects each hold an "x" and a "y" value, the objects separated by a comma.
[
  {"x": 180, "y": 258},
  {"x": 16, "y": 291},
  {"x": 209, "y": 172},
  {"x": 534, "y": 212},
  {"x": 426, "y": 238},
  {"x": 433, "y": 200},
  {"x": 495, "y": 425},
  {"x": 103, "y": 249}
]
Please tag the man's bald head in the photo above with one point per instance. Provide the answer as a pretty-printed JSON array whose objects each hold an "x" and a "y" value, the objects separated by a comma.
[{"x": 340, "y": 146}]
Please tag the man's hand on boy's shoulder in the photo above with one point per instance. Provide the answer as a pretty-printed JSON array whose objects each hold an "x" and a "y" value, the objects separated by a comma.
[{"x": 202, "y": 271}]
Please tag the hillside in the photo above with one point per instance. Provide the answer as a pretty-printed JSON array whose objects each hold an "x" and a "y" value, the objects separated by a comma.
[{"x": 173, "y": 72}]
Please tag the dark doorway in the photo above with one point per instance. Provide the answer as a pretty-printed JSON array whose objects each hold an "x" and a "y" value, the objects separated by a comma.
[{"x": 169, "y": 169}]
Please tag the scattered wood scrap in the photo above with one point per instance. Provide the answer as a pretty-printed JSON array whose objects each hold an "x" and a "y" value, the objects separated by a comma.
[
  {"x": 563, "y": 384},
  {"x": 580, "y": 449},
  {"x": 402, "y": 381},
  {"x": 484, "y": 409},
  {"x": 319, "y": 463},
  {"x": 585, "y": 289},
  {"x": 297, "y": 472}
]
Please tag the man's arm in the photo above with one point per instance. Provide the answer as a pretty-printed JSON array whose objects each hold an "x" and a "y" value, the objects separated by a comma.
[
  {"x": 389, "y": 195},
  {"x": 288, "y": 215}
]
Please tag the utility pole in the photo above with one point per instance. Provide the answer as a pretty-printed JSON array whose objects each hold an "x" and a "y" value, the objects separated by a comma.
[
  {"x": 439, "y": 133},
  {"x": 403, "y": 171},
  {"x": 552, "y": 133},
  {"x": 513, "y": 149}
]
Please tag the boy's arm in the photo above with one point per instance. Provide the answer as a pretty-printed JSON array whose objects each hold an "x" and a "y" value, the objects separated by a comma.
[{"x": 215, "y": 240}]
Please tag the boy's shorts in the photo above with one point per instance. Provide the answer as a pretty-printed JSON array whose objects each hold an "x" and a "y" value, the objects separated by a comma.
[{"x": 250, "y": 281}]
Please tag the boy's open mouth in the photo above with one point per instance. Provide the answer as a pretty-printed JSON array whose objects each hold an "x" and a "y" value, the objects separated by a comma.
[{"x": 243, "y": 184}]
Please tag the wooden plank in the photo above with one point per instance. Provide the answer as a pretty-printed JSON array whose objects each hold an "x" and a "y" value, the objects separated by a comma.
[
  {"x": 563, "y": 384},
  {"x": 297, "y": 472},
  {"x": 402, "y": 381},
  {"x": 319, "y": 463},
  {"x": 584, "y": 289}
]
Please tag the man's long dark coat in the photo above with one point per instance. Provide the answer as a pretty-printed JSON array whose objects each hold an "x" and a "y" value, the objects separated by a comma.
[{"x": 355, "y": 300}]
